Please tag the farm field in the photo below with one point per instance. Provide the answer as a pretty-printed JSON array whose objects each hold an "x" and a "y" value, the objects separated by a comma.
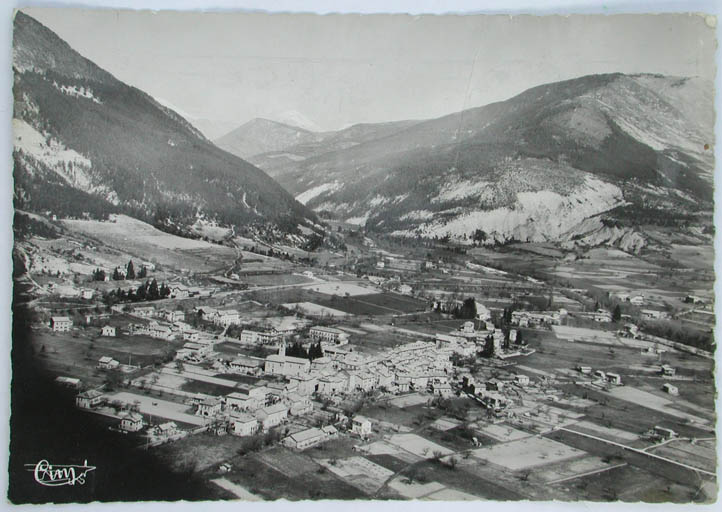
[
  {"x": 342, "y": 289},
  {"x": 309, "y": 308},
  {"x": 146, "y": 242},
  {"x": 701, "y": 454},
  {"x": 158, "y": 408},
  {"x": 526, "y": 453}
]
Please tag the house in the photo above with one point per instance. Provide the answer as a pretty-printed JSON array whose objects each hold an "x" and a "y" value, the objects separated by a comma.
[
  {"x": 89, "y": 399},
  {"x": 669, "y": 388},
  {"x": 331, "y": 384},
  {"x": 175, "y": 316},
  {"x": 179, "y": 292},
  {"x": 330, "y": 431},
  {"x": 602, "y": 316},
  {"x": 305, "y": 384},
  {"x": 664, "y": 433},
  {"x": 272, "y": 415},
  {"x": 226, "y": 317},
  {"x": 653, "y": 314},
  {"x": 61, "y": 323},
  {"x": 637, "y": 300},
  {"x": 197, "y": 351},
  {"x": 585, "y": 369},
  {"x": 243, "y": 424},
  {"x": 247, "y": 365},
  {"x": 107, "y": 363},
  {"x": 209, "y": 407},
  {"x": 443, "y": 390},
  {"x": 305, "y": 438},
  {"x": 107, "y": 331},
  {"x": 614, "y": 378},
  {"x": 262, "y": 337},
  {"x": 298, "y": 405},
  {"x": 69, "y": 382},
  {"x": 144, "y": 312},
  {"x": 494, "y": 384},
  {"x": 522, "y": 380},
  {"x": 365, "y": 380},
  {"x": 247, "y": 398},
  {"x": 87, "y": 294},
  {"x": 668, "y": 371},
  {"x": 131, "y": 422},
  {"x": 160, "y": 331},
  {"x": 328, "y": 334},
  {"x": 336, "y": 352},
  {"x": 361, "y": 425},
  {"x": 167, "y": 429}
]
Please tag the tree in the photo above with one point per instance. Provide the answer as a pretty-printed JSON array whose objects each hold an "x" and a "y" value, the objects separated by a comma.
[
  {"x": 116, "y": 275},
  {"x": 153, "y": 291},
  {"x": 479, "y": 236},
  {"x": 488, "y": 350},
  {"x": 143, "y": 273},
  {"x": 617, "y": 314},
  {"x": 130, "y": 271}
]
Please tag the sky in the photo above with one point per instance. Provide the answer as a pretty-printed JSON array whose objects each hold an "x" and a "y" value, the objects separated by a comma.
[{"x": 221, "y": 70}]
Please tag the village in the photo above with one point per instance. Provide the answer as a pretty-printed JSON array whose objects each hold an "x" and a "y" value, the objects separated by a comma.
[{"x": 396, "y": 377}]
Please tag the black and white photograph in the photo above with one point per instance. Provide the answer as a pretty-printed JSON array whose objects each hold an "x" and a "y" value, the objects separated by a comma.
[{"x": 289, "y": 256}]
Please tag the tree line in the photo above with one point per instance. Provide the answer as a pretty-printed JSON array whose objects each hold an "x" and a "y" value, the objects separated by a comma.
[{"x": 147, "y": 291}]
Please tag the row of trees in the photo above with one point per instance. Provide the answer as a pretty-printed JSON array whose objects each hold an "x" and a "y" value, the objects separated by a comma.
[
  {"x": 146, "y": 291},
  {"x": 314, "y": 351},
  {"x": 100, "y": 275}
]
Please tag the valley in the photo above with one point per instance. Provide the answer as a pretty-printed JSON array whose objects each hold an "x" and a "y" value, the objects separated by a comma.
[{"x": 513, "y": 301}]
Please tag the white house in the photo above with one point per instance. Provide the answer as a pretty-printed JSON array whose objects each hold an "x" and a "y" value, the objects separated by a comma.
[
  {"x": 107, "y": 330},
  {"x": 669, "y": 388},
  {"x": 175, "y": 316},
  {"x": 262, "y": 337},
  {"x": 272, "y": 415},
  {"x": 298, "y": 405},
  {"x": 107, "y": 363},
  {"x": 243, "y": 424},
  {"x": 131, "y": 422},
  {"x": 305, "y": 438},
  {"x": 522, "y": 380},
  {"x": 329, "y": 334},
  {"x": 144, "y": 312},
  {"x": 61, "y": 323},
  {"x": 360, "y": 425},
  {"x": 209, "y": 407},
  {"x": 89, "y": 399},
  {"x": 226, "y": 317}
]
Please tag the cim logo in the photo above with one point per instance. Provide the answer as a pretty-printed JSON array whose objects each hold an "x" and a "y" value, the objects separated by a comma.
[{"x": 60, "y": 474}]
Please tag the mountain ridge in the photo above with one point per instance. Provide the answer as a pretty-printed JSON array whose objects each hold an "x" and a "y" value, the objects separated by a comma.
[
  {"x": 642, "y": 136},
  {"x": 86, "y": 143}
]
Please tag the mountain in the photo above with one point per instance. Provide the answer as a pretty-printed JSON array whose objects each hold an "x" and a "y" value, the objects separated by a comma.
[
  {"x": 263, "y": 136},
  {"x": 285, "y": 157},
  {"x": 532, "y": 168},
  {"x": 274, "y": 146},
  {"x": 87, "y": 144}
]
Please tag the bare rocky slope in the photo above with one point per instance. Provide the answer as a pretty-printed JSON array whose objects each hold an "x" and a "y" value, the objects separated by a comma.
[{"x": 537, "y": 167}]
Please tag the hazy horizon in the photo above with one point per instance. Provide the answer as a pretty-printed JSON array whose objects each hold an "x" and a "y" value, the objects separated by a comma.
[{"x": 221, "y": 70}]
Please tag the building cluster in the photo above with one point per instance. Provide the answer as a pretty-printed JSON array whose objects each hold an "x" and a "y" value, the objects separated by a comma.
[{"x": 539, "y": 318}]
